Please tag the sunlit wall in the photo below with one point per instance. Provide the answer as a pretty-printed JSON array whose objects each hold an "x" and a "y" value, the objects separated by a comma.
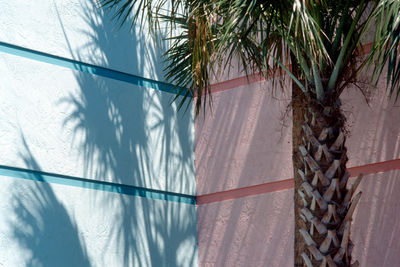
[{"x": 97, "y": 164}]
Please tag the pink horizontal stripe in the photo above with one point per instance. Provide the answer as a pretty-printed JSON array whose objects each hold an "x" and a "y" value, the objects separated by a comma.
[
  {"x": 245, "y": 191},
  {"x": 289, "y": 183},
  {"x": 244, "y": 80},
  {"x": 237, "y": 82},
  {"x": 378, "y": 167}
]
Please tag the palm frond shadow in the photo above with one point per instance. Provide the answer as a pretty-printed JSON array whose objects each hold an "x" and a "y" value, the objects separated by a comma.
[
  {"x": 132, "y": 135},
  {"x": 256, "y": 129},
  {"x": 375, "y": 140},
  {"x": 42, "y": 225},
  {"x": 254, "y": 220}
]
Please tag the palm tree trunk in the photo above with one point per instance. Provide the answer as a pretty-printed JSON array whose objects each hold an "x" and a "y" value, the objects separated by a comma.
[
  {"x": 323, "y": 204},
  {"x": 299, "y": 110}
]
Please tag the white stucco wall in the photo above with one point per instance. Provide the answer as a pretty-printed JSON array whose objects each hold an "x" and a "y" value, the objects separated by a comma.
[
  {"x": 68, "y": 122},
  {"x": 44, "y": 224},
  {"x": 79, "y": 29},
  {"x": 78, "y": 124}
]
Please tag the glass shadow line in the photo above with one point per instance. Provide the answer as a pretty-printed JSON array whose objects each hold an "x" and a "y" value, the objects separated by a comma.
[
  {"x": 96, "y": 185},
  {"x": 92, "y": 69}
]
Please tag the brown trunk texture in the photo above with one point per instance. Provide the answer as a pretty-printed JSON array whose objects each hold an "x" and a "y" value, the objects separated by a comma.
[
  {"x": 299, "y": 109},
  {"x": 323, "y": 204}
]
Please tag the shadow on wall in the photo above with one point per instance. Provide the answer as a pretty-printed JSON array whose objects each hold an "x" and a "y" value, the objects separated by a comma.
[
  {"x": 260, "y": 228},
  {"x": 374, "y": 137},
  {"x": 42, "y": 225},
  {"x": 375, "y": 226},
  {"x": 244, "y": 143},
  {"x": 134, "y": 135}
]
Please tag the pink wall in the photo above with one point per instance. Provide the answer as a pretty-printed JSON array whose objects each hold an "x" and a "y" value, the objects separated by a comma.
[
  {"x": 251, "y": 231},
  {"x": 378, "y": 218},
  {"x": 246, "y": 141},
  {"x": 245, "y": 138}
]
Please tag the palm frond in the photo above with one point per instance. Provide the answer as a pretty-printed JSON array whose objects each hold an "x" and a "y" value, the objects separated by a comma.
[
  {"x": 190, "y": 57},
  {"x": 342, "y": 59},
  {"x": 385, "y": 44}
]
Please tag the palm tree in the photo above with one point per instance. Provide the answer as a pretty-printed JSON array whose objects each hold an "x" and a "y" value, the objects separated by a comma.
[{"x": 318, "y": 44}]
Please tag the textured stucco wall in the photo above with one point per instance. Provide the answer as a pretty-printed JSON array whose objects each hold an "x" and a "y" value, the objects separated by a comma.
[
  {"x": 246, "y": 137},
  {"x": 44, "y": 224},
  {"x": 69, "y": 122},
  {"x": 251, "y": 231},
  {"x": 87, "y": 126},
  {"x": 88, "y": 116},
  {"x": 243, "y": 143},
  {"x": 374, "y": 126},
  {"x": 79, "y": 29},
  {"x": 258, "y": 230}
]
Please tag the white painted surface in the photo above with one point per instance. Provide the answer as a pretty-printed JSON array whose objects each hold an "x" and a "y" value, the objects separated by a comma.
[
  {"x": 78, "y": 124},
  {"x": 55, "y": 225},
  {"x": 80, "y": 30},
  {"x": 62, "y": 121}
]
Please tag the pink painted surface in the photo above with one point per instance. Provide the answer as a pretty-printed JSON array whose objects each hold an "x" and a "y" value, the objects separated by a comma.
[
  {"x": 289, "y": 183},
  {"x": 246, "y": 137},
  {"x": 249, "y": 232},
  {"x": 245, "y": 191},
  {"x": 245, "y": 143},
  {"x": 377, "y": 221},
  {"x": 236, "y": 82},
  {"x": 374, "y": 129},
  {"x": 258, "y": 230}
]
